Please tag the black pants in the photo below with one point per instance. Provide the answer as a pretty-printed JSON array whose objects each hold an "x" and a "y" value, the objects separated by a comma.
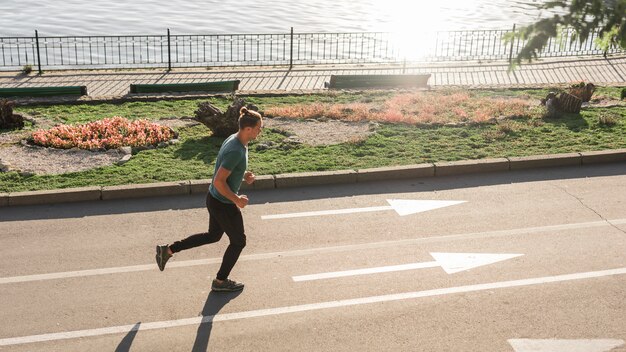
[{"x": 222, "y": 218}]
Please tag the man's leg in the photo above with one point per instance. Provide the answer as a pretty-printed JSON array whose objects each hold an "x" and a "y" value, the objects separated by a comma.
[
  {"x": 231, "y": 221},
  {"x": 213, "y": 235},
  {"x": 165, "y": 252}
]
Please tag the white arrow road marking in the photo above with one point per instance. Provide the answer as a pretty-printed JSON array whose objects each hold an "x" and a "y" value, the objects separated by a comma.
[
  {"x": 307, "y": 307},
  {"x": 401, "y": 206},
  {"x": 597, "y": 345},
  {"x": 450, "y": 262},
  {"x": 560, "y": 229},
  {"x": 456, "y": 262}
]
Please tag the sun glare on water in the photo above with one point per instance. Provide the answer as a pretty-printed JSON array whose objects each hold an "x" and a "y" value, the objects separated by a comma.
[{"x": 415, "y": 23}]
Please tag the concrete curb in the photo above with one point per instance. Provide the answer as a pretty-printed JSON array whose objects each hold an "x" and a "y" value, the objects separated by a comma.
[
  {"x": 146, "y": 190},
  {"x": 538, "y": 161},
  {"x": 471, "y": 166},
  {"x": 263, "y": 182},
  {"x": 4, "y": 200},
  {"x": 315, "y": 178},
  {"x": 604, "y": 156},
  {"x": 55, "y": 196},
  {"x": 198, "y": 186},
  {"x": 395, "y": 172}
]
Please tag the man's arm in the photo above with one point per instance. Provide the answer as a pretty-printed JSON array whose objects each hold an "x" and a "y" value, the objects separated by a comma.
[{"x": 219, "y": 181}]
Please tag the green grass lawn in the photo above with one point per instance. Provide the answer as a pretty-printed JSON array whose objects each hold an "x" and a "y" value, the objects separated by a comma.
[{"x": 391, "y": 144}]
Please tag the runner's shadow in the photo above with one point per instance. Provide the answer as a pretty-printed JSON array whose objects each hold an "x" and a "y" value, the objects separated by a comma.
[
  {"x": 214, "y": 303},
  {"x": 127, "y": 341}
]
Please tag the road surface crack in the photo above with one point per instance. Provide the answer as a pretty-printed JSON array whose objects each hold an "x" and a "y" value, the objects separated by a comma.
[{"x": 590, "y": 208}]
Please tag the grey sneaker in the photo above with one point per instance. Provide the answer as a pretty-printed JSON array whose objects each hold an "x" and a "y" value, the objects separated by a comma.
[
  {"x": 226, "y": 286},
  {"x": 162, "y": 256}
]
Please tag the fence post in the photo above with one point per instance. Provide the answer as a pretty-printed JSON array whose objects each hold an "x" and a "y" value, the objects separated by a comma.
[
  {"x": 169, "y": 51},
  {"x": 404, "y": 65},
  {"x": 291, "y": 50},
  {"x": 38, "y": 55},
  {"x": 512, "y": 42}
]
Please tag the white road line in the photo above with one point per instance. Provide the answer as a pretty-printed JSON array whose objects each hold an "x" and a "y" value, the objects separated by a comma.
[
  {"x": 560, "y": 345},
  {"x": 402, "y": 207},
  {"x": 450, "y": 262},
  {"x": 366, "y": 271},
  {"x": 312, "y": 251},
  {"x": 325, "y": 212},
  {"x": 308, "y": 307}
]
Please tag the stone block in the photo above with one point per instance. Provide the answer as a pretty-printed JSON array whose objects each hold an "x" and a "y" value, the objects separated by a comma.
[
  {"x": 539, "y": 161},
  {"x": 396, "y": 172},
  {"x": 199, "y": 186},
  {"x": 315, "y": 178},
  {"x": 604, "y": 156},
  {"x": 55, "y": 196},
  {"x": 146, "y": 190},
  {"x": 463, "y": 167},
  {"x": 264, "y": 182},
  {"x": 4, "y": 199}
]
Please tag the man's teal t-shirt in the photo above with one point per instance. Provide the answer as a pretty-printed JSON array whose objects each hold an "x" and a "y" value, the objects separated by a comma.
[{"x": 233, "y": 156}]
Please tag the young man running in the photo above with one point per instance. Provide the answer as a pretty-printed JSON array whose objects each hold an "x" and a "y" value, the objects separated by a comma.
[{"x": 224, "y": 202}]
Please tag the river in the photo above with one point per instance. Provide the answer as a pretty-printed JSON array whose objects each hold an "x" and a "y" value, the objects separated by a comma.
[{"x": 122, "y": 17}]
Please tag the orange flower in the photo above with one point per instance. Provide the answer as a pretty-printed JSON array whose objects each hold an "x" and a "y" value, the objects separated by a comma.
[{"x": 108, "y": 133}]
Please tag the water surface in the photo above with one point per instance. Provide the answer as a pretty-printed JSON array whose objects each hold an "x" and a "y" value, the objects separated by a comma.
[{"x": 120, "y": 17}]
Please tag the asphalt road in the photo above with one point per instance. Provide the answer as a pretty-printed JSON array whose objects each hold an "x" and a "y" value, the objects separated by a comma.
[{"x": 82, "y": 277}]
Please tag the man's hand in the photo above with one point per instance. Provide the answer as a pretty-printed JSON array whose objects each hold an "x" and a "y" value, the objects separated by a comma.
[
  {"x": 219, "y": 181},
  {"x": 242, "y": 201},
  {"x": 249, "y": 177}
]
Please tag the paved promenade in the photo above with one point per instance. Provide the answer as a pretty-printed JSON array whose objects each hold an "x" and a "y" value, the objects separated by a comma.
[{"x": 102, "y": 84}]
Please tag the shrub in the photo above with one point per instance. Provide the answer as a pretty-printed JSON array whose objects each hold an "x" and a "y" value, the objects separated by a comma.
[
  {"x": 623, "y": 96},
  {"x": 536, "y": 123},
  {"x": 506, "y": 127},
  {"x": 607, "y": 119},
  {"x": 493, "y": 135},
  {"x": 27, "y": 69},
  {"x": 104, "y": 134}
]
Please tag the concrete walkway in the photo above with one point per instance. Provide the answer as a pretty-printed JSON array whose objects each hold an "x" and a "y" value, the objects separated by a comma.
[{"x": 106, "y": 84}]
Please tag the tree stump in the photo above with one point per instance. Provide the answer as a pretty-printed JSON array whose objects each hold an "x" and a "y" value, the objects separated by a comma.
[
  {"x": 9, "y": 120},
  {"x": 222, "y": 124},
  {"x": 565, "y": 102},
  {"x": 551, "y": 102},
  {"x": 570, "y": 103},
  {"x": 583, "y": 93}
]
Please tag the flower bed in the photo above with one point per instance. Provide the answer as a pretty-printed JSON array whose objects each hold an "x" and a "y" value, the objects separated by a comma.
[
  {"x": 414, "y": 108},
  {"x": 108, "y": 133}
]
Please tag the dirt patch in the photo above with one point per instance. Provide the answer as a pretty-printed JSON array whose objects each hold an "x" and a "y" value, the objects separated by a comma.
[
  {"x": 36, "y": 160},
  {"x": 175, "y": 122},
  {"x": 323, "y": 131},
  {"x": 603, "y": 102}
]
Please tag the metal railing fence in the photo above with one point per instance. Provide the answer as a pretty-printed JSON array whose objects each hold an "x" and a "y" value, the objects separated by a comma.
[{"x": 218, "y": 50}]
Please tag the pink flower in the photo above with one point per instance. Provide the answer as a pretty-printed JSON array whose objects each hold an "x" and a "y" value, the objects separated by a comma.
[{"x": 107, "y": 133}]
